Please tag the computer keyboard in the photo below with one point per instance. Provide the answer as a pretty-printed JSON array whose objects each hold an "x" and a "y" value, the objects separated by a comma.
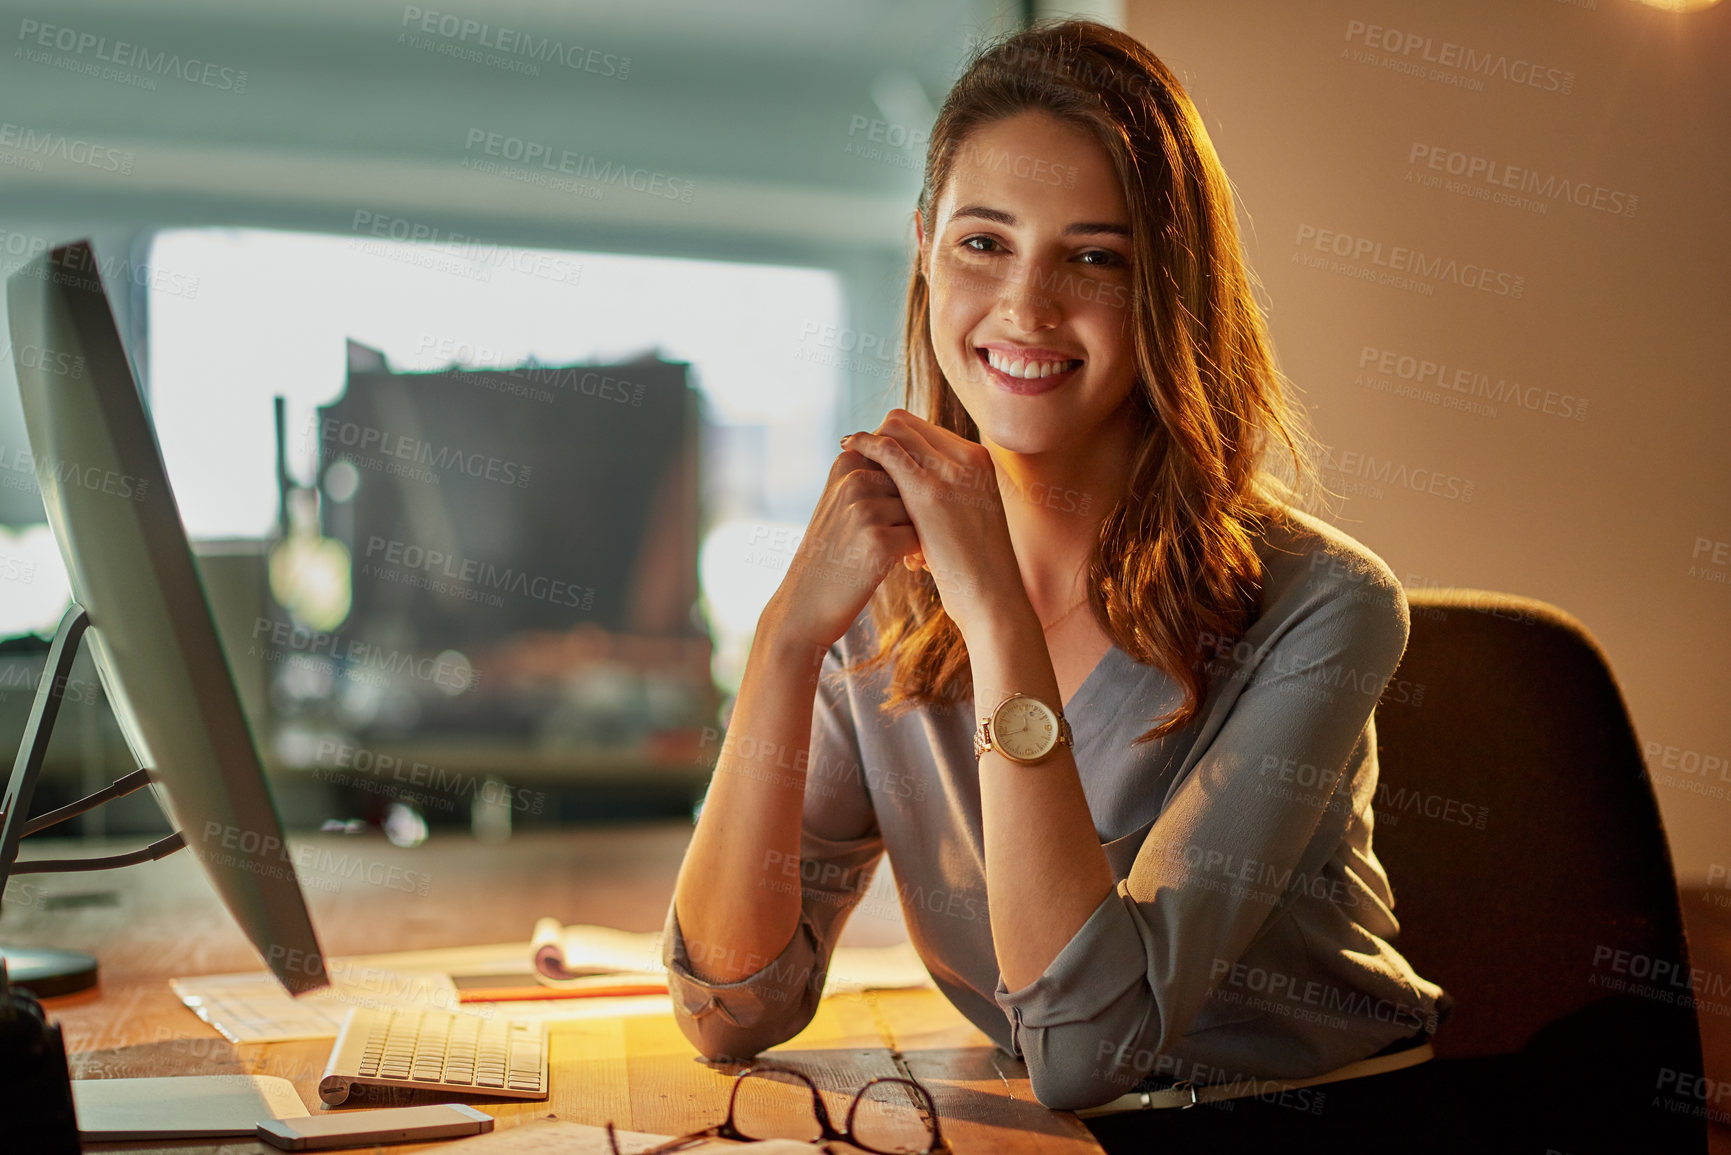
[{"x": 437, "y": 1050}]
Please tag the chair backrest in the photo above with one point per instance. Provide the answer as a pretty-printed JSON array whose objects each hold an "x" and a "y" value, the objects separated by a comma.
[{"x": 1519, "y": 829}]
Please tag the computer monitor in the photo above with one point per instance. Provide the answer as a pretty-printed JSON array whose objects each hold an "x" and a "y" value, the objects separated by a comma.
[{"x": 150, "y": 628}]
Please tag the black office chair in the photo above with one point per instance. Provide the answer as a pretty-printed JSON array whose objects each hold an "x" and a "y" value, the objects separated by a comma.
[{"x": 1531, "y": 874}]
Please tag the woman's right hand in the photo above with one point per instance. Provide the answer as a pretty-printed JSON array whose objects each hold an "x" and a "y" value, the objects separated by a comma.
[{"x": 857, "y": 532}]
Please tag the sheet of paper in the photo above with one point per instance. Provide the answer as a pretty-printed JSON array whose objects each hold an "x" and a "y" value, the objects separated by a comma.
[
  {"x": 251, "y": 1007},
  {"x": 556, "y": 1137},
  {"x": 574, "y": 954},
  {"x": 878, "y": 968},
  {"x": 552, "y": 1137}
]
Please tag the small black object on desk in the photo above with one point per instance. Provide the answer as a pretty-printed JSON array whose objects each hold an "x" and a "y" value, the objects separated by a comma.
[{"x": 35, "y": 1082}]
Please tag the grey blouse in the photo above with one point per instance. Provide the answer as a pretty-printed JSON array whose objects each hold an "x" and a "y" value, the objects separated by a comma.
[{"x": 1251, "y": 932}]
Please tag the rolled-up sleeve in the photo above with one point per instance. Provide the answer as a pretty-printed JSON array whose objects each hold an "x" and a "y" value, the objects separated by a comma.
[
  {"x": 840, "y": 847},
  {"x": 1221, "y": 861}
]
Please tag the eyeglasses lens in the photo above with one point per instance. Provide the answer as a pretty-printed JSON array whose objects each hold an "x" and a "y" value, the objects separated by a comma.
[
  {"x": 774, "y": 1105},
  {"x": 890, "y": 1118}
]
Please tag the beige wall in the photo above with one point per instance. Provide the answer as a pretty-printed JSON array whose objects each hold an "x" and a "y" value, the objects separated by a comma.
[{"x": 1606, "y": 487}]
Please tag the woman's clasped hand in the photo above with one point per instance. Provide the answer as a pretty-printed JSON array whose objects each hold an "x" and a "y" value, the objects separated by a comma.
[
  {"x": 949, "y": 489},
  {"x": 909, "y": 492}
]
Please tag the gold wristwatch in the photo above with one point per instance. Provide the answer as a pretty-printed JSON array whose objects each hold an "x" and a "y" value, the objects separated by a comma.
[{"x": 1022, "y": 729}]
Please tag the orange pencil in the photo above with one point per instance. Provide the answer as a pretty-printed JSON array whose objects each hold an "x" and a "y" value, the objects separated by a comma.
[{"x": 525, "y": 994}]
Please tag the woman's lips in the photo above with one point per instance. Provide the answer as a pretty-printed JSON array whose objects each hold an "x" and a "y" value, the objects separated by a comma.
[{"x": 1052, "y": 378}]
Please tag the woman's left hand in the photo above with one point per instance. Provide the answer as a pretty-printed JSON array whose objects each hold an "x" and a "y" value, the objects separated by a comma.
[{"x": 950, "y": 489}]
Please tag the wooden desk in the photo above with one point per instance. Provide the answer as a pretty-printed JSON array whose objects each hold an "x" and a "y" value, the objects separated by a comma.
[{"x": 149, "y": 923}]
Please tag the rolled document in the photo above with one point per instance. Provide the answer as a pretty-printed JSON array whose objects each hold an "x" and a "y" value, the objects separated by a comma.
[
  {"x": 575, "y": 957},
  {"x": 578, "y": 956}
]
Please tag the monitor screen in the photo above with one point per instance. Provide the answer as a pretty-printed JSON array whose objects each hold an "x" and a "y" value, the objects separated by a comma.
[{"x": 151, "y": 632}]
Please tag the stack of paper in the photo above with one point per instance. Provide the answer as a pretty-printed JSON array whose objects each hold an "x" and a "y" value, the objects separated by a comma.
[
  {"x": 554, "y": 1137},
  {"x": 596, "y": 971},
  {"x": 578, "y": 956}
]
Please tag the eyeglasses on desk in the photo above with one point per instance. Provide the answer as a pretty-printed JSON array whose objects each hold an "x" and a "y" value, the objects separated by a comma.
[{"x": 888, "y": 1116}]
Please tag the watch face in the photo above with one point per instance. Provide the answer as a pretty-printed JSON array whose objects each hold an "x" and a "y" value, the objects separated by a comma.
[{"x": 1025, "y": 728}]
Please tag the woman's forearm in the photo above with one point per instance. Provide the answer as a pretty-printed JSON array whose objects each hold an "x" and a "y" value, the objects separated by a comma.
[
  {"x": 736, "y": 901},
  {"x": 1045, "y": 871}
]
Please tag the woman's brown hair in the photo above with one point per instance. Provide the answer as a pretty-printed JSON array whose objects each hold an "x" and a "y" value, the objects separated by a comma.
[{"x": 1174, "y": 577}]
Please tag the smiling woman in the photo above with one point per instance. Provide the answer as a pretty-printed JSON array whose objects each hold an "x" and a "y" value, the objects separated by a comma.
[
  {"x": 1112, "y": 645},
  {"x": 1063, "y": 253}
]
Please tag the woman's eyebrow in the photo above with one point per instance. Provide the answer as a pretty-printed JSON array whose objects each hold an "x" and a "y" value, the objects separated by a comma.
[
  {"x": 981, "y": 212},
  {"x": 1085, "y": 228},
  {"x": 1079, "y": 229}
]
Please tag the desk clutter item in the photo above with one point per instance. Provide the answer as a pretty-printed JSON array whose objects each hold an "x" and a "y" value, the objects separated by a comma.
[
  {"x": 375, "y": 1128},
  {"x": 35, "y": 1082},
  {"x": 576, "y": 957},
  {"x": 181, "y": 1106},
  {"x": 433, "y": 1050},
  {"x": 252, "y": 1007},
  {"x": 556, "y": 1137},
  {"x": 888, "y": 1114}
]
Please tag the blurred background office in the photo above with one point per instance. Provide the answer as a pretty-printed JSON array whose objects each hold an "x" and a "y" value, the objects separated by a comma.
[{"x": 498, "y": 351}]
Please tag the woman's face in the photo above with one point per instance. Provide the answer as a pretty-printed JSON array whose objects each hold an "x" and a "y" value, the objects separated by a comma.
[{"x": 1029, "y": 268}]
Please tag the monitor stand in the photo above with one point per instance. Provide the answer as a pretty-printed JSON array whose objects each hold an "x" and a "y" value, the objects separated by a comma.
[
  {"x": 48, "y": 973},
  {"x": 45, "y": 972}
]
